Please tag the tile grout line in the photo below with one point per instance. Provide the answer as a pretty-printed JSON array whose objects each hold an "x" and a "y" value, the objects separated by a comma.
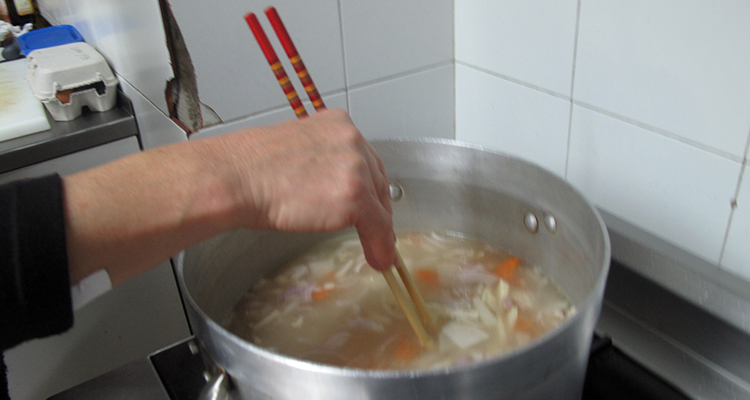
[
  {"x": 619, "y": 117},
  {"x": 343, "y": 58},
  {"x": 659, "y": 131},
  {"x": 514, "y": 80},
  {"x": 149, "y": 101},
  {"x": 572, "y": 88},
  {"x": 404, "y": 74},
  {"x": 743, "y": 168},
  {"x": 455, "y": 90},
  {"x": 281, "y": 107}
]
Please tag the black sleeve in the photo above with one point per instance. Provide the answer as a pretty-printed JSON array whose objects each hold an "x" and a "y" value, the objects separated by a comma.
[{"x": 34, "y": 281}]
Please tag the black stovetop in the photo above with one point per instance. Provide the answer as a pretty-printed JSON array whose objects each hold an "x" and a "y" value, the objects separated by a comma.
[{"x": 613, "y": 375}]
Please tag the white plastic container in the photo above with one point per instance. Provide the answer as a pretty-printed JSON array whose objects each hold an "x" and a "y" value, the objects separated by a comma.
[{"x": 68, "y": 77}]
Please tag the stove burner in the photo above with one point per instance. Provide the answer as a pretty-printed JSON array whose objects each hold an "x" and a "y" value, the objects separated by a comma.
[{"x": 612, "y": 375}]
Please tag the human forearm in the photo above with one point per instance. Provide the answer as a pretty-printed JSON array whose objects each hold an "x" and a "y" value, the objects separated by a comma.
[
  {"x": 317, "y": 174},
  {"x": 136, "y": 212}
]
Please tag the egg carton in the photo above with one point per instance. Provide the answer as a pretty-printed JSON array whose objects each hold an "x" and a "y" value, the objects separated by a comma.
[{"x": 69, "y": 77}]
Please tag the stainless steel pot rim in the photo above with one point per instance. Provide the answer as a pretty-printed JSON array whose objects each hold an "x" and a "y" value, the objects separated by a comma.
[{"x": 591, "y": 297}]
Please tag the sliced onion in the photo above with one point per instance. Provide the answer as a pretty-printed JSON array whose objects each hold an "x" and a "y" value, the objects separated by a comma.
[
  {"x": 485, "y": 315},
  {"x": 360, "y": 263},
  {"x": 267, "y": 319},
  {"x": 299, "y": 271},
  {"x": 366, "y": 324},
  {"x": 344, "y": 269},
  {"x": 302, "y": 290}
]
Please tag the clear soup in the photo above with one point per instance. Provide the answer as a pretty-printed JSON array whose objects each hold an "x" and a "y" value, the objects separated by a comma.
[{"x": 328, "y": 306}]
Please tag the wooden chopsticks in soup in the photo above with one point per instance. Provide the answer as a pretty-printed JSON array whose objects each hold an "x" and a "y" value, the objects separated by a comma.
[{"x": 410, "y": 301}]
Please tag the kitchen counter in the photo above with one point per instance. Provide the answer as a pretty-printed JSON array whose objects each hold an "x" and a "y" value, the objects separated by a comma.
[{"x": 66, "y": 137}]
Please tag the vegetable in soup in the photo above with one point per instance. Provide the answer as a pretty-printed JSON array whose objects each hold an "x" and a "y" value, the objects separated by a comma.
[{"x": 328, "y": 306}]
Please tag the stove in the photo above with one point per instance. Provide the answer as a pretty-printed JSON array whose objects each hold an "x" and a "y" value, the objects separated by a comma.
[
  {"x": 666, "y": 332},
  {"x": 179, "y": 372}
]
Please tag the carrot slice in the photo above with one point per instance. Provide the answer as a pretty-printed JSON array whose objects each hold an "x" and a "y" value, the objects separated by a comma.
[
  {"x": 507, "y": 268},
  {"x": 321, "y": 294},
  {"x": 524, "y": 324},
  {"x": 428, "y": 276},
  {"x": 406, "y": 350}
]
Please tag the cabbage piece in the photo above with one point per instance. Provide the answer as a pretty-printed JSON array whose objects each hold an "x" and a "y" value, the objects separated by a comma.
[
  {"x": 503, "y": 289},
  {"x": 512, "y": 317},
  {"x": 463, "y": 335},
  {"x": 485, "y": 315},
  {"x": 321, "y": 269}
]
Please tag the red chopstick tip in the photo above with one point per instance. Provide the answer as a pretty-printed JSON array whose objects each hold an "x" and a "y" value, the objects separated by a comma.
[
  {"x": 260, "y": 36},
  {"x": 281, "y": 32}
]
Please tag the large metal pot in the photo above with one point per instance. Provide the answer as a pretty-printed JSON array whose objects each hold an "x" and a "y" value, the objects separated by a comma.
[{"x": 446, "y": 186}]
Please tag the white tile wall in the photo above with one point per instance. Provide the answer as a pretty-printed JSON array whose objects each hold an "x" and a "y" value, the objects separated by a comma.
[
  {"x": 681, "y": 66},
  {"x": 388, "y": 37},
  {"x": 672, "y": 189},
  {"x": 156, "y": 128},
  {"x": 284, "y": 113},
  {"x": 234, "y": 78},
  {"x": 531, "y": 41},
  {"x": 661, "y": 92},
  {"x": 512, "y": 118},
  {"x": 394, "y": 51},
  {"x": 419, "y": 104},
  {"x": 736, "y": 257}
]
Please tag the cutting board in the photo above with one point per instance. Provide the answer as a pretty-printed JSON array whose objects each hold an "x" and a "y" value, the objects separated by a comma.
[{"x": 20, "y": 112}]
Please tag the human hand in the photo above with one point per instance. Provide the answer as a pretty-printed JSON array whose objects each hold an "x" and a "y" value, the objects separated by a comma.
[{"x": 314, "y": 174}]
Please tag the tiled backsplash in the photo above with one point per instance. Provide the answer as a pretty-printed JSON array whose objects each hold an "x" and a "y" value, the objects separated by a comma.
[
  {"x": 642, "y": 105},
  {"x": 386, "y": 58},
  {"x": 376, "y": 59}
]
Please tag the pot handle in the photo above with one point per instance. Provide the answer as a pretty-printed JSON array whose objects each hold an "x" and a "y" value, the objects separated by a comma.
[{"x": 217, "y": 388}]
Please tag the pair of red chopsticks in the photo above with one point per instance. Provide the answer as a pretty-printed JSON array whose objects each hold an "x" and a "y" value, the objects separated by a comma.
[{"x": 294, "y": 57}]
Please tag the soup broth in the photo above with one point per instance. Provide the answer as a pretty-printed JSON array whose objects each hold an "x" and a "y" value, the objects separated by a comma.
[{"x": 328, "y": 306}]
